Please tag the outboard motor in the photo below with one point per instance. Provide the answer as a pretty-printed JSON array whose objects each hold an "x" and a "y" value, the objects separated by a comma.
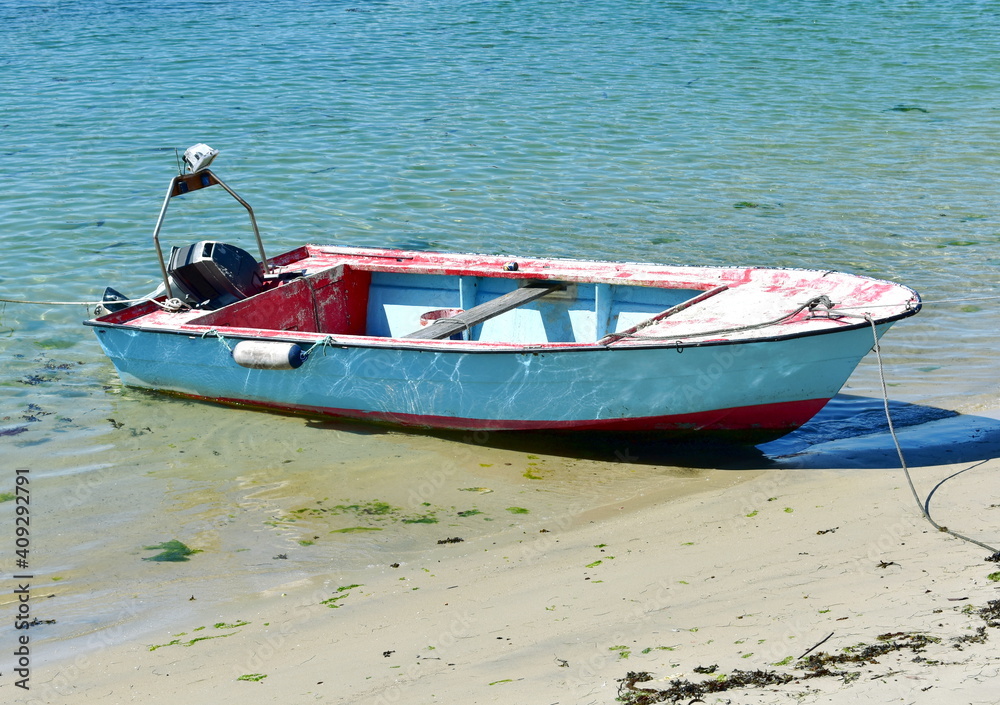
[{"x": 213, "y": 274}]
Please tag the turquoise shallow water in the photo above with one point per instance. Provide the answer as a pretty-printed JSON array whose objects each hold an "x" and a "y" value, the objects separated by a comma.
[{"x": 826, "y": 135}]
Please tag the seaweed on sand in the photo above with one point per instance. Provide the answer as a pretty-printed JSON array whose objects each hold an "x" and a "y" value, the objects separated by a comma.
[
  {"x": 868, "y": 653},
  {"x": 172, "y": 551},
  {"x": 681, "y": 689},
  {"x": 991, "y": 613},
  {"x": 816, "y": 665}
]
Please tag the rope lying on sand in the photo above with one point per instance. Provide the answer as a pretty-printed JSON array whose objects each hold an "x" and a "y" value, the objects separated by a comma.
[{"x": 924, "y": 506}]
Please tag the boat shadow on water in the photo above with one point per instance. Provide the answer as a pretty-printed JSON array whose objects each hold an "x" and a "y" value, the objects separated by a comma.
[
  {"x": 607, "y": 447},
  {"x": 850, "y": 432}
]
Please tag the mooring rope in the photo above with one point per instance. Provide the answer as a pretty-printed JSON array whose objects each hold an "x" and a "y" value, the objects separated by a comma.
[
  {"x": 71, "y": 303},
  {"x": 218, "y": 335},
  {"x": 173, "y": 305},
  {"x": 812, "y": 304},
  {"x": 170, "y": 305},
  {"x": 924, "y": 506},
  {"x": 324, "y": 342}
]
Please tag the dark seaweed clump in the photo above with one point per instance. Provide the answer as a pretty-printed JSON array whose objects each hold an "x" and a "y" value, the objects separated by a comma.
[
  {"x": 816, "y": 665},
  {"x": 681, "y": 689},
  {"x": 820, "y": 663},
  {"x": 990, "y": 613}
]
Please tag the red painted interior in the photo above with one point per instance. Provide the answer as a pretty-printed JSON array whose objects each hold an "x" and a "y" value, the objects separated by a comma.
[{"x": 333, "y": 301}]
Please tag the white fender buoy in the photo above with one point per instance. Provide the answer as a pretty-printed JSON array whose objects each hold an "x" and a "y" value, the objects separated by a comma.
[{"x": 267, "y": 355}]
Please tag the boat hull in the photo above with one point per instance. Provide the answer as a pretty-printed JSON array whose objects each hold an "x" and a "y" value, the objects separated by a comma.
[{"x": 750, "y": 390}]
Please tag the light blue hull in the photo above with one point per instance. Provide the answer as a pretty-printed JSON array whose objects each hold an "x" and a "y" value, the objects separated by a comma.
[{"x": 765, "y": 388}]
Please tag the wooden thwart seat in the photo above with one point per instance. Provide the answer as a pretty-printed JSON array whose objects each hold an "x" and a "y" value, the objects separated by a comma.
[
  {"x": 446, "y": 327},
  {"x": 630, "y": 332}
]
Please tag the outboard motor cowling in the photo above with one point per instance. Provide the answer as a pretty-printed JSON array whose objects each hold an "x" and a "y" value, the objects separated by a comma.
[{"x": 213, "y": 274}]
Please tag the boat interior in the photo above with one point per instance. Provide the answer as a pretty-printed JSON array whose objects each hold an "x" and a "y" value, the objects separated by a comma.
[
  {"x": 368, "y": 293},
  {"x": 350, "y": 300}
]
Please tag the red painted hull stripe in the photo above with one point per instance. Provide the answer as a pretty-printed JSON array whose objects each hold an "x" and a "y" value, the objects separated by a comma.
[{"x": 780, "y": 416}]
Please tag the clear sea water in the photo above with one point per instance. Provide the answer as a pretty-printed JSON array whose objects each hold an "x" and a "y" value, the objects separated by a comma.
[{"x": 842, "y": 135}]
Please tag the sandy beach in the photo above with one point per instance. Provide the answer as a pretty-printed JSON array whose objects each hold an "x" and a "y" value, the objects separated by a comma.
[{"x": 824, "y": 553}]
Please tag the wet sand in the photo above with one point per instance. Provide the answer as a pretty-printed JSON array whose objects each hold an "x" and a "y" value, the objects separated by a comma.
[{"x": 613, "y": 568}]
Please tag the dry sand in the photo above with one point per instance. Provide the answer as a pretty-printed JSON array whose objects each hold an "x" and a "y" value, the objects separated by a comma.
[{"x": 745, "y": 576}]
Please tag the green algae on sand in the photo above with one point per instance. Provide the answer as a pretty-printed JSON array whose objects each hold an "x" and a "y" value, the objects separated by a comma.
[{"x": 172, "y": 551}]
